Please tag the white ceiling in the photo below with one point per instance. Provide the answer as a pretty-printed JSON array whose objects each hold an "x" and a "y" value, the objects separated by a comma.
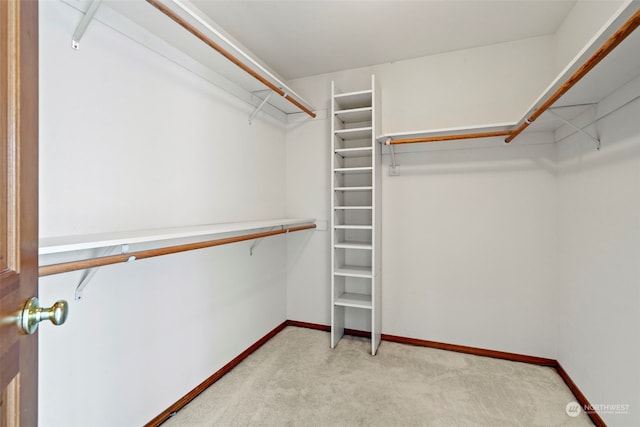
[{"x": 309, "y": 37}]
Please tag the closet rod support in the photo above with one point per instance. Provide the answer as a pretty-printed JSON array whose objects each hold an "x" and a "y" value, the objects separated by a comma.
[
  {"x": 578, "y": 128},
  {"x": 393, "y": 168},
  {"x": 88, "y": 274},
  {"x": 264, "y": 101},
  {"x": 84, "y": 23},
  {"x": 257, "y": 241},
  {"x": 65, "y": 267}
]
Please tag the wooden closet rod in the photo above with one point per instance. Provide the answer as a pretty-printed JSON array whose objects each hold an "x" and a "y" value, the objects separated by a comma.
[
  {"x": 451, "y": 137},
  {"x": 65, "y": 267},
  {"x": 193, "y": 30},
  {"x": 611, "y": 43}
]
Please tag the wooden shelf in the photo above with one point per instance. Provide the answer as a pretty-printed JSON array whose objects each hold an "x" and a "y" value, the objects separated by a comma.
[
  {"x": 355, "y": 133},
  {"x": 354, "y": 227},
  {"x": 353, "y": 207},
  {"x": 355, "y": 115},
  {"x": 354, "y": 300},
  {"x": 354, "y": 271},
  {"x": 361, "y": 169},
  {"x": 354, "y": 152},
  {"x": 60, "y": 244},
  {"x": 368, "y": 188},
  {"x": 354, "y": 100},
  {"x": 353, "y": 245}
]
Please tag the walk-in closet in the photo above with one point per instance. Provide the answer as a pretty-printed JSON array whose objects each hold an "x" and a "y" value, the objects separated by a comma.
[{"x": 444, "y": 193}]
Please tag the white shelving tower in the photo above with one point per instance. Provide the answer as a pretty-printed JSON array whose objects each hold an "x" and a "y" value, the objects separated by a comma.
[{"x": 355, "y": 205}]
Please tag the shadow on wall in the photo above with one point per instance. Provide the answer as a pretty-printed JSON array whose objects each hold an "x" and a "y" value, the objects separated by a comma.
[
  {"x": 488, "y": 156},
  {"x": 295, "y": 246}
]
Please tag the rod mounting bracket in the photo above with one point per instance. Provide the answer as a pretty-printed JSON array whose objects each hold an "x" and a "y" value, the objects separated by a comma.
[
  {"x": 596, "y": 140},
  {"x": 393, "y": 167},
  {"x": 84, "y": 23},
  {"x": 259, "y": 107},
  {"x": 258, "y": 241},
  {"x": 88, "y": 274}
]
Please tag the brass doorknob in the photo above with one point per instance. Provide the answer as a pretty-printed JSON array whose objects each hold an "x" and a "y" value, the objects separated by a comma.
[{"x": 32, "y": 314}]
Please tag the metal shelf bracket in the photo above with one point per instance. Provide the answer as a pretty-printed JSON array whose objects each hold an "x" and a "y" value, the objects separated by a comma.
[
  {"x": 258, "y": 241},
  {"x": 84, "y": 23},
  {"x": 596, "y": 140},
  {"x": 259, "y": 107},
  {"x": 88, "y": 274}
]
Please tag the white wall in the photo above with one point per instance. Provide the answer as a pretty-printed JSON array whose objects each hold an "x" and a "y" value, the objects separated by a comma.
[
  {"x": 491, "y": 84},
  {"x": 307, "y": 166},
  {"x": 466, "y": 234},
  {"x": 129, "y": 141},
  {"x": 599, "y": 248},
  {"x": 468, "y": 242}
]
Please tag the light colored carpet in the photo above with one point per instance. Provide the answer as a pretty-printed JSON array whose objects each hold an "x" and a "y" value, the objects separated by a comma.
[{"x": 297, "y": 380}]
